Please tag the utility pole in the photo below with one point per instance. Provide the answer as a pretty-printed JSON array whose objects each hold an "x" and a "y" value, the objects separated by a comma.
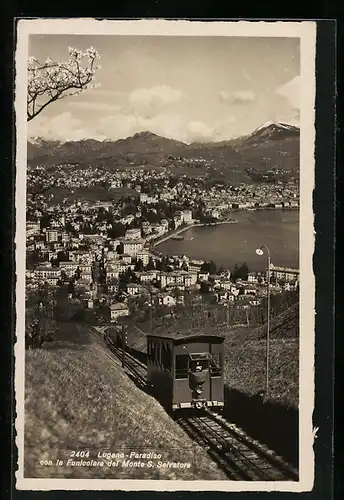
[{"x": 260, "y": 251}]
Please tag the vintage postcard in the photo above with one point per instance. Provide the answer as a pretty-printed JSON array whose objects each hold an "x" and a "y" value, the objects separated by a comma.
[{"x": 164, "y": 244}]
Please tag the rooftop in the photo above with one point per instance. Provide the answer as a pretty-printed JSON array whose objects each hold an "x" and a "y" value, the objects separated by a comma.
[
  {"x": 189, "y": 335},
  {"x": 284, "y": 269},
  {"x": 132, "y": 242},
  {"x": 118, "y": 306}
]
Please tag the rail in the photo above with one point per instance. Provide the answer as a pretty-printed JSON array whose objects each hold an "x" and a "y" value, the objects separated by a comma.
[{"x": 236, "y": 453}]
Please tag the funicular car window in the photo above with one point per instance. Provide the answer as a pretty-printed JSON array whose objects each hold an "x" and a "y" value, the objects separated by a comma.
[
  {"x": 215, "y": 365},
  {"x": 149, "y": 351},
  {"x": 199, "y": 361},
  {"x": 155, "y": 352},
  {"x": 166, "y": 357},
  {"x": 182, "y": 366}
]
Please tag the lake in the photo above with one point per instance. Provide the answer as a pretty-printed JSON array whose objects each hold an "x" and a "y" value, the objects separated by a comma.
[{"x": 230, "y": 244}]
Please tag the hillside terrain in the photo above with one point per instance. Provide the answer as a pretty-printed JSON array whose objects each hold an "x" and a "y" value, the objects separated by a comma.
[
  {"x": 77, "y": 398},
  {"x": 273, "y": 145},
  {"x": 245, "y": 355}
]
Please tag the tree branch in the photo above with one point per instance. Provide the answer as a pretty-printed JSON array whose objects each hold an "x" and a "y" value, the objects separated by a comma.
[{"x": 52, "y": 81}]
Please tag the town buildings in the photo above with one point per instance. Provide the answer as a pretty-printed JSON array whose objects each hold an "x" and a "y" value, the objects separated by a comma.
[
  {"x": 94, "y": 244},
  {"x": 284, "y": 273}
]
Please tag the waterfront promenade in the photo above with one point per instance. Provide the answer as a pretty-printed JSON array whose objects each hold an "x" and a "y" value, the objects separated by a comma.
[{"x": 180, "y": 230}]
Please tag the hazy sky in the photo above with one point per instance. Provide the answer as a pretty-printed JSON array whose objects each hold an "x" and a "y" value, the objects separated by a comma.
[{"x": 185, "y": 88}]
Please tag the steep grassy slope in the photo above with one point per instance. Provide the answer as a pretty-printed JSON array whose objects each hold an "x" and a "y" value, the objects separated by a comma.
[
  {"x": 77, "y": 398},
  {"x": 245, "y": 359},
  {"x": 245, "y": 369}
]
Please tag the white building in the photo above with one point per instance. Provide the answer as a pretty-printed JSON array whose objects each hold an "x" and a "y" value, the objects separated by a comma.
[
  {"x": 86, "y": 277},
  {"x": 225, "y": 284},
  {"x": 48, "y": 273},
  {"x": 133, "y": 289},
  {"x": 111, "y": 273},
  {"x": 148, "y": 277},
  {"x": 137, "y": 289},
  {"x": 32, "y": 228},
  {"x": 132, "y": 247},
  {"x": 186, "y": 216},
  {"x": 255, "y": 277},
  {"x": 68, "y": 267},
  {"x": 133, "y": 234},
  {"x": 166, "y": 299},
  {"x": 195, "y": 265},
  {"x": 117, "y": 310},
  {"x": 128, "y": 219},
  {"x": 113, "y": 287},
  {"x": 65, "y": 237},
  {"x": 159, "y": 228},
  {"x": 284, "y": 273},
  {"x": 51, "y": 235},
  {"x": 144, "y": 257},
  {"x": 126, "y": 259}
]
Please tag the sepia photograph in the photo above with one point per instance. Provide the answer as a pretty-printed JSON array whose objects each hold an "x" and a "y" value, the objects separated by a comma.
[{"x": 164, "y": 245}]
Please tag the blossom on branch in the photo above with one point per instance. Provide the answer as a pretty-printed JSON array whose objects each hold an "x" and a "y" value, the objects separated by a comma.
[{"x": 50, "y": 81}]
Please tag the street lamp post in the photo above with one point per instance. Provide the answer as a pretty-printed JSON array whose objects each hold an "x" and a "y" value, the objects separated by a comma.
[{"x": 260, "y": 251}]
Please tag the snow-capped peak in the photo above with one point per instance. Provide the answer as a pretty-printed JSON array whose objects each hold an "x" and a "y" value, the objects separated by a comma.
[
  {"x": 35, "y": 140},
  {"x": 41, "y": 141},
  {"x": 285, "y": 126}
]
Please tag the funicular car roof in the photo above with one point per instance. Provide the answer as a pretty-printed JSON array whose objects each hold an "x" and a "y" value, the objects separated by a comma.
[{"x": 189, "y": 336}]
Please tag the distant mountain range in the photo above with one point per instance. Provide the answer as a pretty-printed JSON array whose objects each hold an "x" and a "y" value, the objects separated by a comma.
[{"x": 272, "y": 144}]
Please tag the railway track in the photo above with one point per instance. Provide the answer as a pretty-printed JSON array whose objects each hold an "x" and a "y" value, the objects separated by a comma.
[
  {"x": 240, "y": 457},
  {"x": 237, "y": 454},
  {"x": 136, "y": 368}
]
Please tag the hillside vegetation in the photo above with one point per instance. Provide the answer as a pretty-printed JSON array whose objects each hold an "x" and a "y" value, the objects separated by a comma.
[
  {"x": 245, "y": 358},
  {"x": 245, "y": 354},
  {"x": 77, "y": 398}
]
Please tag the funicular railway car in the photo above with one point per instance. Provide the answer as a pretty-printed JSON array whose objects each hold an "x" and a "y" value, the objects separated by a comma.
[{"x": 186, "y": 371}]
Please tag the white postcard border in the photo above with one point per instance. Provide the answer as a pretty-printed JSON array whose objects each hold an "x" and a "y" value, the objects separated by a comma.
[{"x": 306, "y": 31}]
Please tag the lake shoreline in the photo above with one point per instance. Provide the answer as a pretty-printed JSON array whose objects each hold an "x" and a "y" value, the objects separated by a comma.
[
  {"x": 185, "y": 228},
  {"x": 176, "y": 232},
  {"x": 226, "y": 245}
]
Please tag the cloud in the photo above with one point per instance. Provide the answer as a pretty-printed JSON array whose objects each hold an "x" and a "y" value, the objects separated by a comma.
[
  {"x": 154, "y": 96},
  {"x": 199, "y": 130},
  {"x": 238, "y": 96},
  {"x": 173, "y": 125},
  {"x": 101, "y": 92},
  {"x": 63, "y": 127},
  {"x": 124, "y": 125},
  {"x": 291, "y": 92},
  {"x": 95, "y": 106}
]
